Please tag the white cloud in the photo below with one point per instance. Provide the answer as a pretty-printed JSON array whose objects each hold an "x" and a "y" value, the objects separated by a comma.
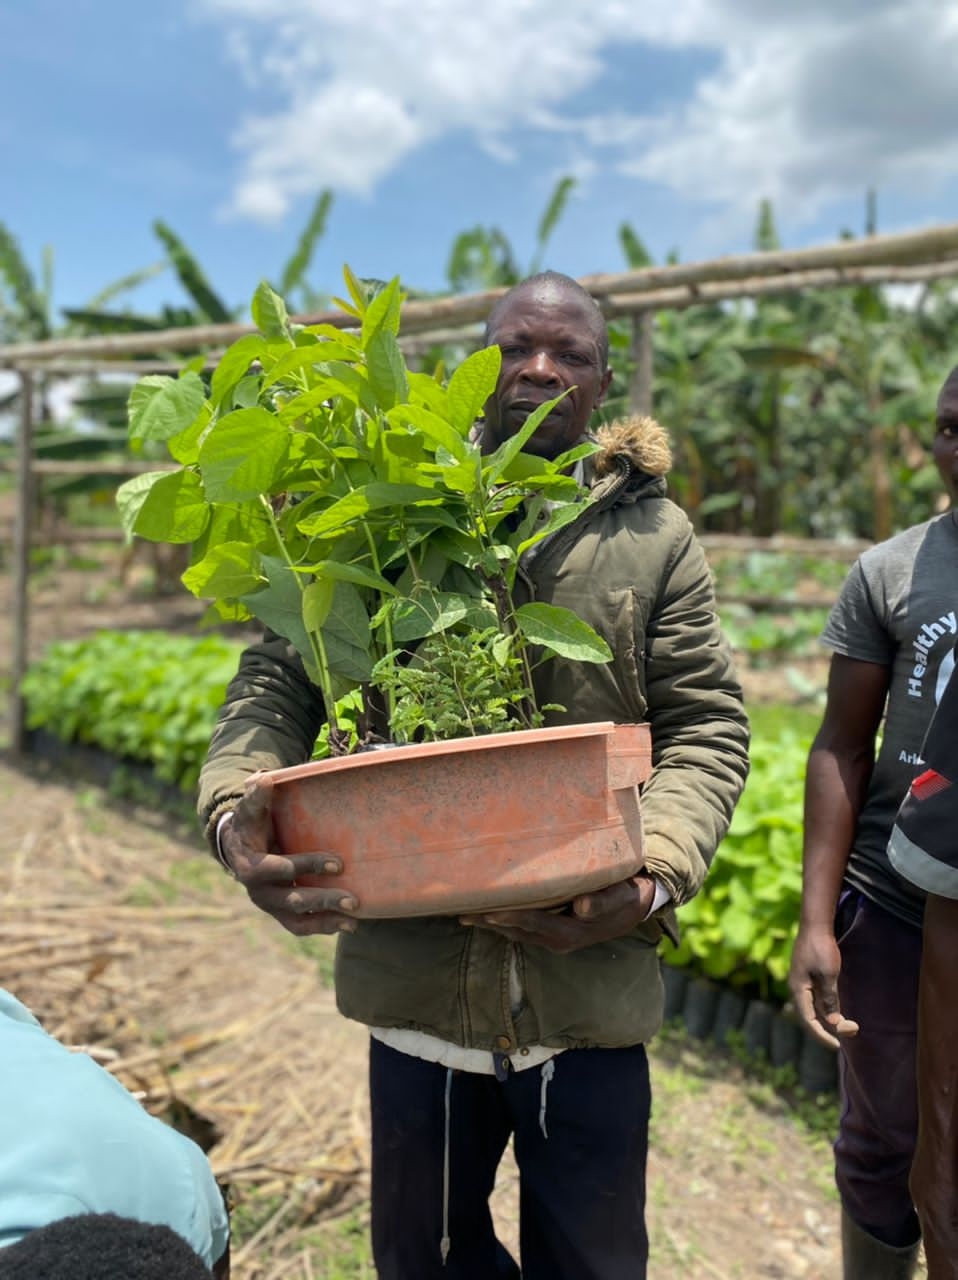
[
  {"x": 806, "y": 103},
  {"x": 816, "y": 105}
]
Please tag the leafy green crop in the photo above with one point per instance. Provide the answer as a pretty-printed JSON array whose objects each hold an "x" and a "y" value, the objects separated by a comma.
[
  {"x": 345, "y": 502},
  {"x": 741, "y": 926},
  {"x": 142, "y": 695}
]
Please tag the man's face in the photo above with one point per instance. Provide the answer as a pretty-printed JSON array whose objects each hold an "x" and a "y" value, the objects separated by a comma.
[
  {"x": 550, "y": 343},
  {"x": 945, "y": 446}
]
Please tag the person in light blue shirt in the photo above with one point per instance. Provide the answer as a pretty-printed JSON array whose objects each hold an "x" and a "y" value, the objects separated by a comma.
[{"x": 74, "y": 1141}]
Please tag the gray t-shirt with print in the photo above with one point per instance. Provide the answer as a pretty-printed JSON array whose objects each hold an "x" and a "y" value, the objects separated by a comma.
[{"x": 898, "y": 607}]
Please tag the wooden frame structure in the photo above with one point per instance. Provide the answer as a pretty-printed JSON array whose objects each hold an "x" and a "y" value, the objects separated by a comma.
[{"x": 918, "y": 257}]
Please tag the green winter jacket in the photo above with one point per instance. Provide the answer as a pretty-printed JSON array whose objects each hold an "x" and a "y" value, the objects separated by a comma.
[{"x": 632, "y": 568}]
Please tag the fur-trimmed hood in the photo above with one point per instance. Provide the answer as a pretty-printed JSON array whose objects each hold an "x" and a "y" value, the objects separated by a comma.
[{"x": 639, "y": 440}]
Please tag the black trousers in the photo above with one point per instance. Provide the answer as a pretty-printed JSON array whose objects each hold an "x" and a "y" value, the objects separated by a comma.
[
  {"x": 581, "y": 1142},
  {"x": 878, "y": 1130}
]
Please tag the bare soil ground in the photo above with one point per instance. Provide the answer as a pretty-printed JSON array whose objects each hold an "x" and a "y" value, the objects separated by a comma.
[{"x": 123, "y": 935}]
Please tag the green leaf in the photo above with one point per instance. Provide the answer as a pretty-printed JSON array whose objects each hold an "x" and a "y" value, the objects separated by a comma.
[
  {"x": 383, "y": 312},
  {"x": 295, "y": 270},
  {"x": 348, "y": 621},
  {"x": 770, "y": 356},
  {"x": 562, "y": 632},
  {"x": 243, "y": 455},
  {"x": 434, "y": 428},
  {"x": 132, "y": 494},
  {"x": 334, "y": 333},
  {"x": 30, "y": 300},
  {"x": 228, "y": 569},
  {"x": 355, "y": 573},
  {"x": 185, "y": 447},
  {"x": 270, "y": 315},
  {"x": 360, "y": 502},
  {"x": 315, "y": 398},
  {"x": 425, "y": 390},
  {"x": 553, "y": 212},
  {"x": 501, "y": 648},
  {"x": 572, "y": 456},
  {"x": 504, "y": 455},
  {"x": 247, "y": 523},
  {"x": 317, "y": 601},
  {"x": 387, "y": 369},
  {"x": 124, "y": 285},
  {"x": 356, "y": 292},
  {"x": 246, "y": 392},
  {"x": 471, "y": 386},
  {"x": 306, "y": 356},
  {"x": 558, "y": 519},
  {"x": 160, "y": 407},
  {"x": 192, "y": 276},
  {"x": 175, "y": 509},
  {"x": 279, "y": 604},
  {"x": 234, "y": 364},
  {"x": 346, "y": 635},
  {"x": 412, "y": 619},
  {"x": 346, "y": 307},
  {"x": 636, "y": 254}
]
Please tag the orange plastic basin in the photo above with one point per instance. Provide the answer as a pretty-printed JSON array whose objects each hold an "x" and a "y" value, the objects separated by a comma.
[{"x": 504, "y": 820}]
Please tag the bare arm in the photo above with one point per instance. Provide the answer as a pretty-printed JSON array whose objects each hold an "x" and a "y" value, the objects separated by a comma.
[{"x": 839, "y": 768}]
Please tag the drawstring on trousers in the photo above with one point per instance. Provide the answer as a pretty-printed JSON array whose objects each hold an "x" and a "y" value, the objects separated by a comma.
[
  {"x": 445, "y": 1242},
  {"x": 548, "y": 1071}
]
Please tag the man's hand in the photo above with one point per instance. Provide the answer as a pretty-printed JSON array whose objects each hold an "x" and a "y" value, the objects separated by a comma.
[
  {"x": 594, "y": 917},
  {"x": 813, "y": 978},
  {"x": 270, "y": 878}
]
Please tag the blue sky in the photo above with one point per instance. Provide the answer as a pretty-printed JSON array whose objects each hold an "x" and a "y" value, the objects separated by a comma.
[{"x": 225, "y": 118}]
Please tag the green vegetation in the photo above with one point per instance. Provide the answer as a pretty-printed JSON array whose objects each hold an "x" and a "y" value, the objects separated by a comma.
[
  {"x": 142, "y": 695},
  {"x": 342, "y": 500},
  {"x": 740, "y": 928}
]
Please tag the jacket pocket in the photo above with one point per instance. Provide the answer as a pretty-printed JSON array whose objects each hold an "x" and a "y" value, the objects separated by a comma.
[{"x": 628, "y": 647}]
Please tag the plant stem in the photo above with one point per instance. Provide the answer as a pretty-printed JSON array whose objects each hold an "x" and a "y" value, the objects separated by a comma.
[
  {"x": 315, "y": 641},
  {"x": 505, "y": 607}
]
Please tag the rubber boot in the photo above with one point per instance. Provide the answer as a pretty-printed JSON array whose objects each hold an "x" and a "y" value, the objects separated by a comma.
[{"x": 865, "y": 1258}]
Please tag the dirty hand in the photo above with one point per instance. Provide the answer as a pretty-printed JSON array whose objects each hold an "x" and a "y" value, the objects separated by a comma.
[
  {"x": 594, "y": 917},
  {"x": 270, "y": 878},
  {"x": 813, "y": 979}
]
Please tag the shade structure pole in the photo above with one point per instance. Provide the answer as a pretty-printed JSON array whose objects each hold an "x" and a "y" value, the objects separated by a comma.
[
  {"x": 21, "y": 564},
  {"x": 640, "y": 381}
]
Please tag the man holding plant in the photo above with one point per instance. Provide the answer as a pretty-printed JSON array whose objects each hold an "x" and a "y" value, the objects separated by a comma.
[
  {"x": 857, "y": 956},
  {"x": 523, "y": 1023}
]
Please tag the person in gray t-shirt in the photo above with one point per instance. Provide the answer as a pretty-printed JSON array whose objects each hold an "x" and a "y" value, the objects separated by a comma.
[{"x": 856, "y": 959}]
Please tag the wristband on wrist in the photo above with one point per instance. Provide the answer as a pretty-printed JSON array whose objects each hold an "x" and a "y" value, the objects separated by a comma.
[{"x": 220, "y": 852}]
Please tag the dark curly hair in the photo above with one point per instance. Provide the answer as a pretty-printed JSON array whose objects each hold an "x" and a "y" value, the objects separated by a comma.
[{"x": 101, "y": 1246}]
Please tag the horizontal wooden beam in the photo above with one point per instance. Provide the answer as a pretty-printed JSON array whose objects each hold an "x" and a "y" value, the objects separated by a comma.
[
  {"x": 905, "y": 248},
  {"x": 426, "y": 315},
  {"x": 680, "y": 299},
  {"x": 51, "y": 467},
  {"x": 826, "y": 548}
]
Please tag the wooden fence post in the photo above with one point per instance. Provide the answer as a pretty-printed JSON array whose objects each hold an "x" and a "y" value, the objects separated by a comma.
[
  {"x": 21, "y": 564},
  {"x": 640, "y": 383}
]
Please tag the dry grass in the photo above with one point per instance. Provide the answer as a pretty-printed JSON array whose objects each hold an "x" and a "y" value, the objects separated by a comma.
[{"x": 138, "y": 949}]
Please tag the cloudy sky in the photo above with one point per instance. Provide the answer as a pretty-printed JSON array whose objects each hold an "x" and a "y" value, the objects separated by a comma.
[{"x": 225, "y": 117}]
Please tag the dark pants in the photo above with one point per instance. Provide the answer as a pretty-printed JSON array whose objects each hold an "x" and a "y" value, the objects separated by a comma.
[
  {"x": 934, "y": 1175},
  {"x": 582, "y": 1187},
  {"x": 878, "y": 987}
]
